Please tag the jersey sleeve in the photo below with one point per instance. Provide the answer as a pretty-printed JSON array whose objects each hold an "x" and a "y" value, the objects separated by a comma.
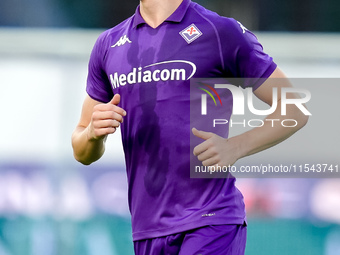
[
  {"x": 244, "y": 56},
  {"x": 98, "y": 85}
]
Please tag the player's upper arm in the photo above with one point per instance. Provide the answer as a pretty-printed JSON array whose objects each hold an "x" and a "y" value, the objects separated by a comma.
[
  {"x": 279, "y": 80},
  {"x": 276, "y": 80}
]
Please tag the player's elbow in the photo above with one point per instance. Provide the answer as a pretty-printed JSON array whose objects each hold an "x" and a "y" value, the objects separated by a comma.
[
  {"x": 86, "y": 158},
  {"x": 81, "y": 155},
  {"x": 83, "y": 152},
  {"x": 81, "y": 160}
]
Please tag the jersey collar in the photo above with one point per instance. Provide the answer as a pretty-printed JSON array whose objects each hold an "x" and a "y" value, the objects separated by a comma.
[{"x": 177, "y": 16}]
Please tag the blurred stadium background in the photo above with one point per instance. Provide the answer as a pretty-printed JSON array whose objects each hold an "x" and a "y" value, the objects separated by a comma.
[{"x": 51, "y": 205}]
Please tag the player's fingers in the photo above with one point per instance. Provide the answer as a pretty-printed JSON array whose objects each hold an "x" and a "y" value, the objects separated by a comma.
[
  {"x": 104, "y": 115},
  {"x": 199, "y": 149},
  {"x": 106, "y": 123},
  {"x": 113, "y": 108},
  {"x": 202, "y": 134},
  {"x": 116, "y": 116},
  {"x": 109, "y": 107},
  {"x": 207, "y": 154},
  {"x": 104, "y": 131},
  {"x": 115, "y": 100},
  {"x": 210, "y": 162},
  {"x": 202, "y": 147},
  {"x": 115, "y": 124},
  {"x": 119, "y": 110}
]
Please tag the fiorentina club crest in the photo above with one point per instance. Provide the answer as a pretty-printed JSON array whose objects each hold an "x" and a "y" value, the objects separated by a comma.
[{"x": 191, "y": 33}]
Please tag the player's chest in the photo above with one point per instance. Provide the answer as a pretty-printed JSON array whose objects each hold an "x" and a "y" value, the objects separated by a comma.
[{"x": 164, "y": 54}]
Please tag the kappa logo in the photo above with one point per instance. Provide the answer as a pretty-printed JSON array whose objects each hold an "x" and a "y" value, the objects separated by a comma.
[
  {"x": 124, "y": 39},
  {"x": 191, "y": 33},
  {"x": 244, "y": 29}
]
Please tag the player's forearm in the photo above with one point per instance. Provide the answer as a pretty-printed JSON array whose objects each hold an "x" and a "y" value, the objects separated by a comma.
[
  {"x": 272, "y": 132},
  {"x": 86, "y": 150}
]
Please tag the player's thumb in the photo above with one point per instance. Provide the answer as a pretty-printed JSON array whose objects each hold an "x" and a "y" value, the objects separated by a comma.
[
  {"x": 202, "y": 134},
  {"x": 115, "y": 100}
]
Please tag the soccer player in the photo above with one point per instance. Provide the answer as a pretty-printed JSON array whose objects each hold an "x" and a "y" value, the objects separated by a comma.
[{"x": 138, "y": 80}]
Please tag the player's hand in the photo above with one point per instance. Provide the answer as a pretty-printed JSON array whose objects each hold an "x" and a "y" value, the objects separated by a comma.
[
  {"x": 106, "y": 118},
  {"x": 215, "y": 150}
]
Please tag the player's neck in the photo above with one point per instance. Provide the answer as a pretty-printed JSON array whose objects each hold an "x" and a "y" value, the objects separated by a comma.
[{"x": 155, "y": 12}]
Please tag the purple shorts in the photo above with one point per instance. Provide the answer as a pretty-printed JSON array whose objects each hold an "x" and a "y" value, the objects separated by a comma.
[{"x": 208, "y": 240}]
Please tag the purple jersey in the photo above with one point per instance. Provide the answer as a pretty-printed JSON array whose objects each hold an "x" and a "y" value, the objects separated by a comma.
[{"x": 150, "y": 68}]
